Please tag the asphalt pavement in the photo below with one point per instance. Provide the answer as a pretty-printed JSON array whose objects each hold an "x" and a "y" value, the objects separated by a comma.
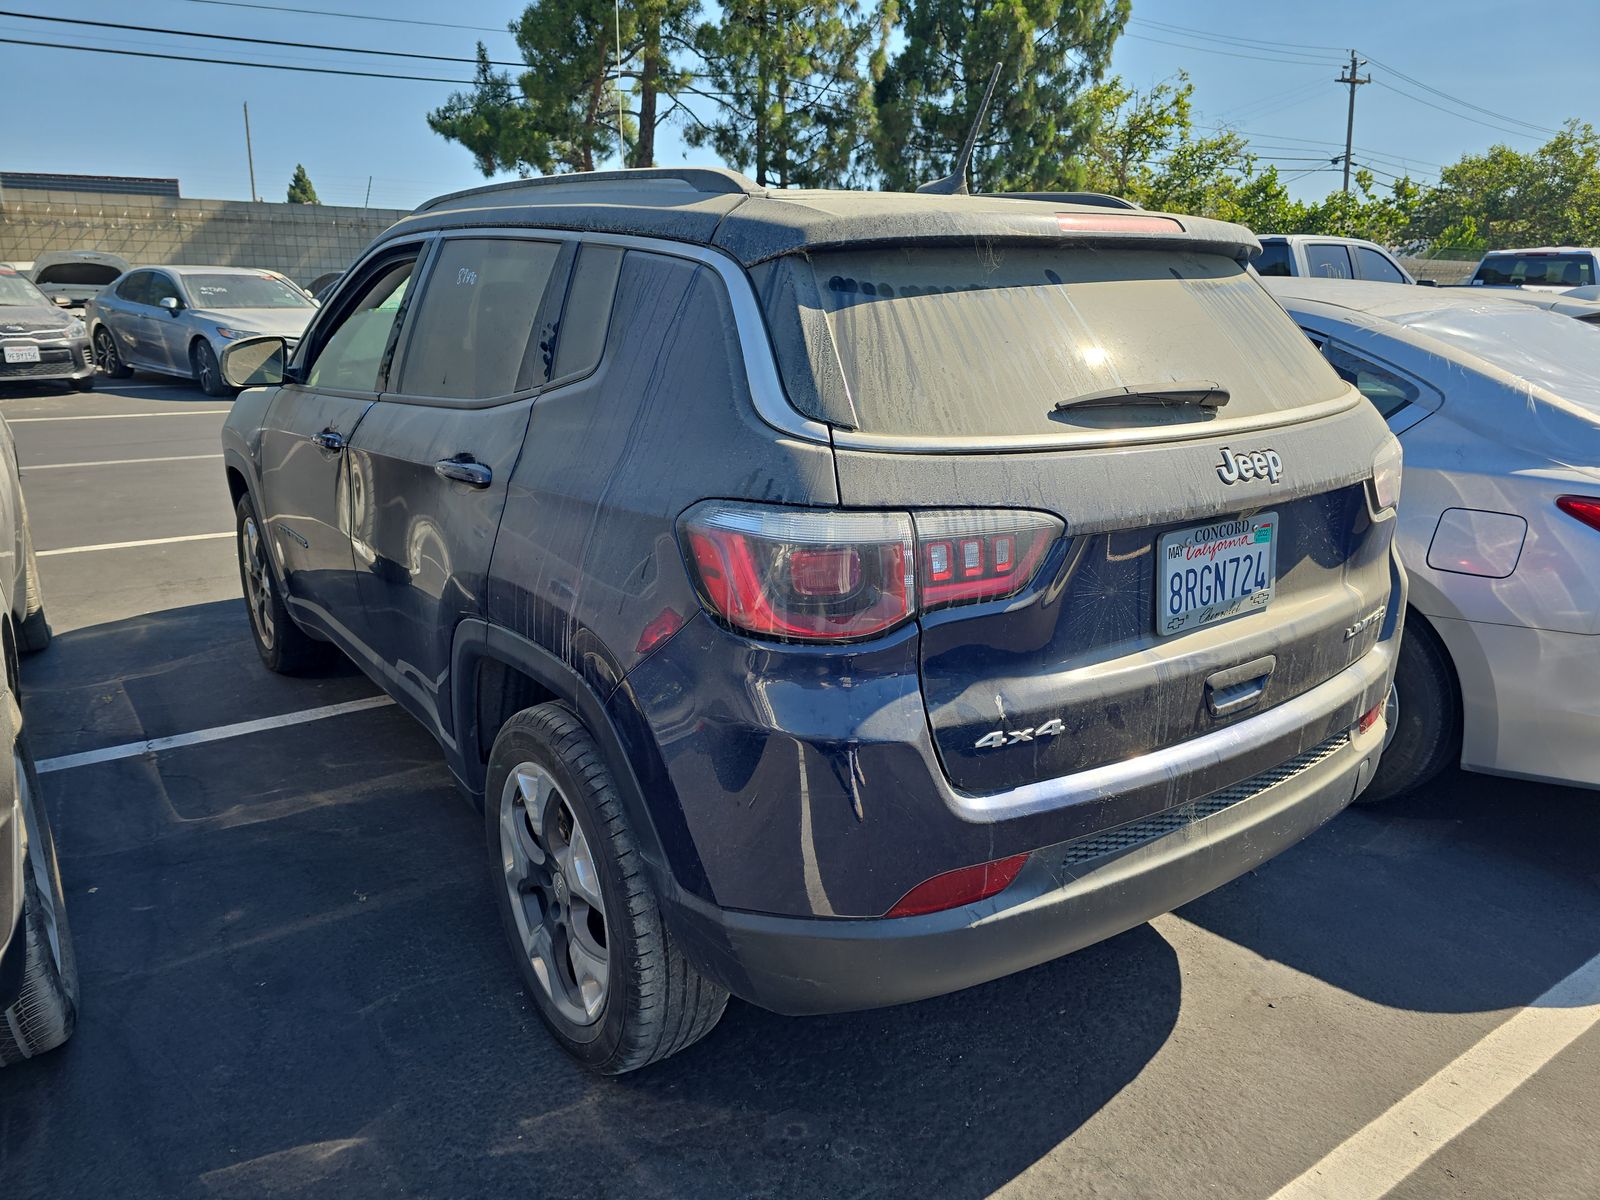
[{"x": 294, "y": 983}]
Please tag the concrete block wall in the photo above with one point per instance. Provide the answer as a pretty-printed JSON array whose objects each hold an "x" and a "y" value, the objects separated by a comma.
[{"x": 301, "y": 240}]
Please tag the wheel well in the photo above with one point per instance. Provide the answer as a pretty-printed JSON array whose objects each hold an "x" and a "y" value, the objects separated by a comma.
[
  {"x": 193, "y": 343},
  {"x": 236, "y": 485},
  {"x": 8, "y": 642},
  {"x": 502, "y": 692},
  {"x": 1414, "y": 621}
]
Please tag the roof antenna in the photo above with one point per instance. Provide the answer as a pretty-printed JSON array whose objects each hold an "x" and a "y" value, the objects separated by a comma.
[{"x": 955, "y": 183}]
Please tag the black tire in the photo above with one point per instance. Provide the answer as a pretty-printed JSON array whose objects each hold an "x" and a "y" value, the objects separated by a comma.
[
  {"x": 1427, "y": 733},
  {"x": 46, "y": 1011},
  {"x": 207, "y": 372},
  {"x": 33, "y": 633},
  {"x": 654, "y": 1002},
  {"x": 85, "y": 384},
  {"x": 283, "y": 646},
  {"x": 106, "y": 355}
]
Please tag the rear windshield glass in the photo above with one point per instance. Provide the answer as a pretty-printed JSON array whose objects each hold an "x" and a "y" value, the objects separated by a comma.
[
  {"x": 81, "y": 274},
  {"x": 1538, "y": 270},
  {"x": 986, "y": 340},
  {"x": 1546, "y": 349},
  {"x": 243, "y": 291}
]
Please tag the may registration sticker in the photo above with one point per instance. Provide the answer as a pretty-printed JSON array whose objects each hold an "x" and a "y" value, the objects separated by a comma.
[{"x": 1210, "y": 572}]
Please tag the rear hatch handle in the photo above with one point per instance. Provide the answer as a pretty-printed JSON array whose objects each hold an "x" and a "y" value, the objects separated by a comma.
[
  {"x": 1195, "y": 393},
  {"x": 1239, "y": 687}
]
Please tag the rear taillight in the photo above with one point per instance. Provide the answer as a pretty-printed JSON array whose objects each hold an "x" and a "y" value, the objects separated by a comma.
[
  {"x": 1585, "y": 508},
  {"x": 965, "y": 885},
  {"x": 833, "y": 576}
]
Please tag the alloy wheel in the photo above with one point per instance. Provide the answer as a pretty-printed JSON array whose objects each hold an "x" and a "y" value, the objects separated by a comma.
[
  {"x": 554, "y": 886},
  {"x": 257, "y": 582},
  {"x": 105, "y": 352}
]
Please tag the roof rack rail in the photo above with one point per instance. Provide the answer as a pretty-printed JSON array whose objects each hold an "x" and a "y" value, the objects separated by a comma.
[
  {"x": 1095, "y": 199},
  {"x": 711, "y": 181}
]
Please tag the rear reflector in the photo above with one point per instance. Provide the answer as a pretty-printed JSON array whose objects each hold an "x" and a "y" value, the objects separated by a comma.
[
  {"x": 1370, "y": 717},
  {"x": 1116, "y": 223},
  {"x": 1585, "y": 508},
  {"x": 965, "y": 885}
]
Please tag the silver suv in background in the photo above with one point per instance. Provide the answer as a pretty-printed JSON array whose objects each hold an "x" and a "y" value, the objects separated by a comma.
[
  {"x": 1542, "y": 268},
  {"x": 1328, "y": 258}
]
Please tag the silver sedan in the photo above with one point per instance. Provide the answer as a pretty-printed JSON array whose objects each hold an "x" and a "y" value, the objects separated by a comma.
[{"x": 177, "y": 320}]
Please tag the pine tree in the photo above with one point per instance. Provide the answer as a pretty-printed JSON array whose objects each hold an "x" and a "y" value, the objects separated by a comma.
[{"x": 300, "y": 189}]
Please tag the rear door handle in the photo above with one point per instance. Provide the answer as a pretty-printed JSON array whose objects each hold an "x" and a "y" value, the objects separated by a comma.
[
  {"x": 329, "y": 439},
  {"x": 463, "y": 469},
  {"x": 1239, "y": 687}
]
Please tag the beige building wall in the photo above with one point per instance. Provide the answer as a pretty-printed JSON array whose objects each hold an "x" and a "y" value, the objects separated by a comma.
[{"x": 301, "y": 240}]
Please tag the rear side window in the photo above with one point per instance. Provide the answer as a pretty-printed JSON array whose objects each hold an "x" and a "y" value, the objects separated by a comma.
[
  {"x": 986, "y": 340},
  {"x": 135, "y": 288},
  {"x": 351, "y": 355},
  {"x": 1275, "y": 259},
  {"x": 470, "y": 332},
  {"x": 1328, "y": 260},
  {"x": 588, "y": 312},
  {"x": 1376, "y": 266},
  {"x": 1388, "y": 392}
]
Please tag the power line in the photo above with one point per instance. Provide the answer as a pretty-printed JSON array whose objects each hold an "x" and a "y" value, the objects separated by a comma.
[
  {"x": 1230, "y": 39},
  {"x": 256, "y": 41},
  {"x": 1488, "y": 112},
  {"x": 1298, "y": 59},
  {"x": 234, "y": 62},
  {"x": 1452, "y": 113},
  {"x": 350, "y": 16}
]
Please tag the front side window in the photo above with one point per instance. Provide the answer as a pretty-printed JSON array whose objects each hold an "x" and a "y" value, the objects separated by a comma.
[
  {"x": 1377, "y": 266},
  {"x": 1388, "y": 392},
  {"x": 244, "y": 291},
  {"x": 135, "y": 288},
  {"x": 470, "y": 334},
  {"x": 352, "y": 354},
  {"x": 161, "y": 288},
  {"x": 1328, "y": 260}
]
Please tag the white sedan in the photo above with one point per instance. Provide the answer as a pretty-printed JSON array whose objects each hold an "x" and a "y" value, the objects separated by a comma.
[{"x": 1497, "y": 406}]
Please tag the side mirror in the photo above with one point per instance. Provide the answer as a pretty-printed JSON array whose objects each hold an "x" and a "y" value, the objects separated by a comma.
[
  {"x": 63, "y": 301},
  {"x": 1427, "y": 283},
  {"x": 255, "y": 362},
  {"x": 172, "y": 304}
]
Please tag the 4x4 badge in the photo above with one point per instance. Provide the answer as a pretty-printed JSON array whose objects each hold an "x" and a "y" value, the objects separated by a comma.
[{"x": 1003, "y": 737}]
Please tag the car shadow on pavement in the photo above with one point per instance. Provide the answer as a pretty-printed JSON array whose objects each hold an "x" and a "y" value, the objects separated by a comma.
[
  {"x": 295, "y": 984},
  {"x": 1476, "y": 894}
]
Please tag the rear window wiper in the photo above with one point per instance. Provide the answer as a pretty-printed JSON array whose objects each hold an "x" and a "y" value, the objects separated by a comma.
[{"x": 1196, "y": 393}]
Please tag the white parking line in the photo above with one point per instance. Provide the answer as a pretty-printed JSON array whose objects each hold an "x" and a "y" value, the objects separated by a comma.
[
  {"x": 215, "y": 734},
  {"x": 1376, "y": 1158},
  {"x": 195, "y": 412},
  {"x": 188, "y": 537},
  {"x": 117, "y": 462}
]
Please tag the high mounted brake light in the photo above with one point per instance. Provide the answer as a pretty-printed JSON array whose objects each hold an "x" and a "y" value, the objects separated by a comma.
[
  {"x": 813, "y": 575},
  {"x": 1116, "y": 222}
]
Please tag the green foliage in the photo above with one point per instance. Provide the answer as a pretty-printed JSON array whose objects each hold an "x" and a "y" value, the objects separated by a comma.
[
  {"x": 790, "y": 97},
  {"x": 1050, "y": 51},
  {"x": 300, "y": 189}
]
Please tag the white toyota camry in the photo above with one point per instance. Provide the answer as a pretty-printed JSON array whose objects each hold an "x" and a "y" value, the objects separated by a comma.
[{"x": 1497, "y": 406}]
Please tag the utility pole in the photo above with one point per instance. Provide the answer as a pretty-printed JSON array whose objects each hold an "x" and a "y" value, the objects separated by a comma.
[
  {"x": 1350, "y": 77},
  {"x": 251, "y": 155},
  {"x": 367, "y": 200}
]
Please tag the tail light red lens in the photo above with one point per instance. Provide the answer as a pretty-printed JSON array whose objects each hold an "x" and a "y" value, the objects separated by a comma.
[
  {"x": 833, "y": 576},
  {"x": 1585, "y": 508},
  {"x": 965, "y": 885}
]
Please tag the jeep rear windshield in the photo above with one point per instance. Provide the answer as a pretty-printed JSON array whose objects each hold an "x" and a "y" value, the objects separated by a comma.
[{"x": 984, "y": 341}]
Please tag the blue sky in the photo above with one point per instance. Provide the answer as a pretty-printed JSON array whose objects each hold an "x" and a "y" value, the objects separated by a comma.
[{"x": 133, "y": 116}]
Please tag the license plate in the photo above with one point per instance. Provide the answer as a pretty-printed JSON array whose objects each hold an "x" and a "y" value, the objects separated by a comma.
[
  {"x": 22, "y": 354},
  {"x": 1215, "y": 571}
]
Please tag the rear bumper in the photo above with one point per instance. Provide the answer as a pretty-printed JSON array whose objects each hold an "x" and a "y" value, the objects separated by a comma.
[{"x": 1067, "y": 897}]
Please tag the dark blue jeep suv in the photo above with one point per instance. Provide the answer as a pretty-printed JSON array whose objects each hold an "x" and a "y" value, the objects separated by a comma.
[{"x": 832, "y": 598}]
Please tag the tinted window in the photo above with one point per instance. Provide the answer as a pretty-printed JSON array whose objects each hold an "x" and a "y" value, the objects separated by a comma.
[
  {"x": 244, "y": 291},
  {"x": 350, "y": 357},
  {"x": 1328, "y": 260},
  {"x": 473, "y": 322},
  {"x": 587, "y": 315},
  {"x": 1538, "y": 270},
  {"x": 1377, "y": 266},
  {"x": 161, "y": 288},
  {"x": 80, "y": 274},
  {"x": 985, "y": 340},
  {"x": 135, "y": 288},
  {"x": 1388, "y": 392},
  {"x": 1275, "y": 259}
]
